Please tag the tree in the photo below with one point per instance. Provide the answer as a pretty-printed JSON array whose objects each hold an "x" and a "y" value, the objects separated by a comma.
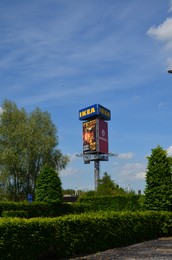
[
  {"x": 108, "y": 187},
  {"x": 48, "y": 186},
  {"x": 27, "y": 142},
  {"x": 158, "y": 191}
]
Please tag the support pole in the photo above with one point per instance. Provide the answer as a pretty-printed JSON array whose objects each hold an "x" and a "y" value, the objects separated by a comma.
[{"x": 96, "y": 173}]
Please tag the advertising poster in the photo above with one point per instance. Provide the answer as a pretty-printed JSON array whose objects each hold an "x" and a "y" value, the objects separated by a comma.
[
  {"x": 89, "y": 136},
  {"x": 102, "y": 136},
  {"x": 95, "y": 136}
]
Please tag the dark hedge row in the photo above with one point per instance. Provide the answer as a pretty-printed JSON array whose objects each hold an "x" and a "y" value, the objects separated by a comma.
[
  {"x": 78, "y": 234},
  {"x": 116, "y": 203},
  {"x": 41, "y": 209}
]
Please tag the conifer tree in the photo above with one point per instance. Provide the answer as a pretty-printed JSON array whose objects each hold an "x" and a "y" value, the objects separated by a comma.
[
  {"x": 158, "y": 192},
  {"x": 48, "y": 186}
]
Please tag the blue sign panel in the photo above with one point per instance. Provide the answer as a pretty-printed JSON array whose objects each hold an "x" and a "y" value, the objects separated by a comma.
[
  {"x": 104, "y": 113},
  {"x": 30, "y": 197},
  {"x": 93, "y": 111},
  {"x": 88, "y": 112}
]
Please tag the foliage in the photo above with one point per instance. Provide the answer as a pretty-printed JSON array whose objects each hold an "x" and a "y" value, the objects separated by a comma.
[
  {"x": 107, "y": 186},
  {"x": 158, "y": 192},
  {"x": 48, "y": 185},
  {"x": 115, "y": 203},
  {"x": 88, "y": 194},
  {"x": 41, "y": 209},
  {"x": 27, "y": 142},
  {"x": 69, "y": 192},
  {"x": 16, "y": 213},
  {"x": 78, "y": 234}
]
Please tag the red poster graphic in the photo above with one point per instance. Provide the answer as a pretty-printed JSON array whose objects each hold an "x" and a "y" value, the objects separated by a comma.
[
  {"x": 102, "y": 136},
  {"x": 89, "y": 136}
]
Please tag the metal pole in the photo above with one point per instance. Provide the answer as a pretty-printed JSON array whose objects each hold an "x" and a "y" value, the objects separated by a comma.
[{"x": 96, "y": 173}]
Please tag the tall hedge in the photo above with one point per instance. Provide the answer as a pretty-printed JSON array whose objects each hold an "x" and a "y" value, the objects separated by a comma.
[
  {"x": 78, "y": 234},
  {"x": 43, "y": 209},
  {"x": 116, "y": 203}
]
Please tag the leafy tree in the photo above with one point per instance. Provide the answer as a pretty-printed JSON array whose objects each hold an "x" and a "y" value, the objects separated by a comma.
[
  {"x": 158, "y": 191},
  {"x": 27, "y": 142},
  {"x": 108, "y": 187},
  {"x": 48, "y": 185}
]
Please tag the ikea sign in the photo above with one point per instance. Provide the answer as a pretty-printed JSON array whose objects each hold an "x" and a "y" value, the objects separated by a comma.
[{"x": 93, "y": 111}]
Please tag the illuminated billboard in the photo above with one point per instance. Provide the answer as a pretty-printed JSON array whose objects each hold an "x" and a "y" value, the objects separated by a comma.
[
  {"x": 94, "y": 111},
  {"x": 95, "y": 136}
]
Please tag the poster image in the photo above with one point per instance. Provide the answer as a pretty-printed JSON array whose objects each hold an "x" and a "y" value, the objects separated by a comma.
[
  {"x": 95, "y": 136},
  {"x": 89, "y": 136}
]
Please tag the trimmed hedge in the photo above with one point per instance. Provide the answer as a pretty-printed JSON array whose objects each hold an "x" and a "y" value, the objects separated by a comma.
[
  {"x": 116, "y": 203},
  {"x": 87, "y": 204},
  {"x": 78, "y": 234},
  {"x": 43, "y": 209},
  {"x": 16, "y": 213}
]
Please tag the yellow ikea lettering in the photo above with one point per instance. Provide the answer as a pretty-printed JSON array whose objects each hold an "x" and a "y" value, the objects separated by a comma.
[
  {"x": 83, "y": 113},
  {"x": 87, "y": 112},
  {"x": 105, "y": 112},
  {"x": 92, "y": 110}
]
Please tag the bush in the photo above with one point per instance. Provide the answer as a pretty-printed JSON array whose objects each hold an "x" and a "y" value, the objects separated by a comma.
[
  {"x": 17, "y": 213},
  {"x": 78, "y": 234},
  {"x": 42, "y": 209},
  {"x": 115, "y": 203},
  {"x": 48, "y": 186}
]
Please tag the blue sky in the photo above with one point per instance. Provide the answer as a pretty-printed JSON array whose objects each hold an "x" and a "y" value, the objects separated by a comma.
[{"x": 64, "y": 55}]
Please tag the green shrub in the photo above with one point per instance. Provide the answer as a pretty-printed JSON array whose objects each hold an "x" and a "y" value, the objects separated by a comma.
[
  {"x": 48, "y": 185},
  {"x": 115, "y": 203},
  {"x": 78, "y": 234},
  {"x": 43, "y": 209},
  {"x": 16, "y": 213}
]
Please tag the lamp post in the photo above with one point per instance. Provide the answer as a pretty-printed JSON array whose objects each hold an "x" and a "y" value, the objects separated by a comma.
[{"x": 170, "y": 71}]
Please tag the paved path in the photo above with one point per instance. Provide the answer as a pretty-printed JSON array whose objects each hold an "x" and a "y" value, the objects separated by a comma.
[{"x": 160, "y": 249}]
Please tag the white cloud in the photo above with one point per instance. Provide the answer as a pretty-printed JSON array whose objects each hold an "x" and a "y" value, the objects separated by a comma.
[
  {"x": 162, "y": 32},
  {"x": 69, "y": 171},
  {"x": 140, "y": 175},
  {"x": 126, "y": 156},
  {"x": 133, "y": 171},
  {"x": 1, "y": 110},
  {"x": 169, "y": 150}
]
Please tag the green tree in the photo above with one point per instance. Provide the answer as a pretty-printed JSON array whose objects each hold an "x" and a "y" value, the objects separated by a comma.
[
  {"x": 108, "y": 187},
  {"x": 27, "y": 142},
  {"x": 158, "y": 191},
  {"x": 48, "y": 185}
]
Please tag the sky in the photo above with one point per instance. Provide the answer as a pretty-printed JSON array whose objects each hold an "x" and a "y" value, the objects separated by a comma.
[{"x": 65, "y": 55}]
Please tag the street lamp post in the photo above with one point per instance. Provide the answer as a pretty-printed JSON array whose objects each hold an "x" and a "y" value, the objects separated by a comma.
[{"x": 170, "y": 71}]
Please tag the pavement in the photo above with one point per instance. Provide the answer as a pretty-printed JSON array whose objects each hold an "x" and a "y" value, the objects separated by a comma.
[{"x": 159, "y": 249}]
